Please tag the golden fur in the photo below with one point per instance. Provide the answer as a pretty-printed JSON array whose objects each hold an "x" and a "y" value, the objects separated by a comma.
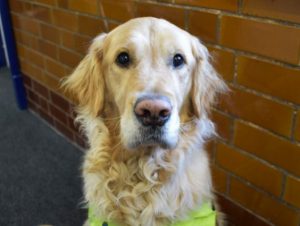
[{"x": 148, "y": 186}]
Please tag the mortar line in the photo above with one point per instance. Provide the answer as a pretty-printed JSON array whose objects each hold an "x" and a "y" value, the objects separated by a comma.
[{"x": 293, "y": 128}]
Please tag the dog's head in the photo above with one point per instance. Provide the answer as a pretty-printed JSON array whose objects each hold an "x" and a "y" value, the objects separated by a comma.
[{"x": 151, "y": 75}]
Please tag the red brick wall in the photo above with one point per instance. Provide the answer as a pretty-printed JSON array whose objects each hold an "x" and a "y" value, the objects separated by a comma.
[
  {"x": 54, "y": 109},
  {"x": 256, "y": 47}
]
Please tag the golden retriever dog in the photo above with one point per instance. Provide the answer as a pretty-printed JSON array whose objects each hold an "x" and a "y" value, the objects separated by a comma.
[{"x": 144, "y": 92}]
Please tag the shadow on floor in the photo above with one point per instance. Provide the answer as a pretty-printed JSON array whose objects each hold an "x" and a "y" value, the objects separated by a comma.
[{"x": 39, "y": 170}]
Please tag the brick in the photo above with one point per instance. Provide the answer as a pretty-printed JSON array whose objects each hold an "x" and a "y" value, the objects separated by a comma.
[
  {"x": 16, "y": 6},
  {"x": 85, "y": 6},
  {"x": 44, "y": 104},
  {"x": 27, "y": 89},
  {"x": 292, "y": 191},
  {"x": 64, "y": 130},
  {"x": 172, "y": 14},
  {"x": 25, "y": 67},
  {"x": 55, "y": 68},
  {"x": 21, "y": 50},
  {"x": 31, "y": 70},
  {"x": 263, "y": 38},
  {"x": 26, "y": 39},
  {"x": 60, "y": 102},
  {"x": 112, "y": 25},
  {"x": 223, "y": 61},
  {"x": 250, "y": 169},
  {"x": 69, "y": 70},
  {"x": 40, "y": 13},
  {"x": 219, "y": 178},
  {"x": 63, "y": 4},
  {"x": 209, "y": 147},
  {"x": 269, "y": 78},
  {"x": 35, "y": 43},
  {"x": 67, "y": 39},
  {"x": 65, "y": 20},
  {"x": 33, "y": 97},
  {"x": 27, "y": 7},
  {"x": 27, "y": 24},
  {"x": 166, "y": 1},
  {"x": 75, "y": 42},
  {"x": 69, "y": 58},
  {"x": 263, "y": 205},
  {"x": 48, "y": 49},
  {"x": 279, "y": 9},
  {"x": 118, "y": 10},
  {"x": 230, "y": 5},
  {"x": 50, "y": 33},
  {"x": 297, "y": 127},
  {"x": 223, "y": 124},
  {"x": 32, "y": 105},
  {"x": 258, "y": 110},
  {"x": 15, "y": 21},
  {"x": 236, "y": 215},
  {"x": 269, "y": 147},
  {"x": 90, "y": 26},
  {"x": 18, "y": 36},
  {"x": 53, "y": 84},
  {"x": 203, "y": 25},
  {"x": 69, "y": 97},
  {"x": 48, "y": 2},
  {"x": 46, "y": 116},
  {"x": 40, "y": 89},
  {"x": 58, "y": 114},
  {"x": 35, "y": 57},
  {"x": 27, "y": 81}
]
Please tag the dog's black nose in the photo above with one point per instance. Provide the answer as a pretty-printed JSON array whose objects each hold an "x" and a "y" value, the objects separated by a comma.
[{"x": 153, "y": 111}]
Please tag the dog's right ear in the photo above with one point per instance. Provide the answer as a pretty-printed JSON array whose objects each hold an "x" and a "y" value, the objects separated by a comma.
[
  {"x": 206, "y": 83},
  {"x": 86, "y": 83}
]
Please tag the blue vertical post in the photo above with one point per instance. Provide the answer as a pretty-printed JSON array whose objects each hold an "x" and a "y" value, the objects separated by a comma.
[
  {"x": 12, "y": 55},
  {"x": 2, "y": 55}
]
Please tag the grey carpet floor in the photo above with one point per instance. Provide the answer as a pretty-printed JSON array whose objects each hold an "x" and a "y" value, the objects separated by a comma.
[{"x": 39, "y": 170}]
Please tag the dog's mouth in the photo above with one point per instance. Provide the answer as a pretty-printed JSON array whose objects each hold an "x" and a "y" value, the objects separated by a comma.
[{"x": 152, "y": 137}]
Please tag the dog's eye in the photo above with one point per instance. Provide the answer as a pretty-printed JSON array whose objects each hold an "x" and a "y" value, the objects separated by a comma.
[
  {"x": 178, "y": 60},
  {"x": 123, "y": 59}
]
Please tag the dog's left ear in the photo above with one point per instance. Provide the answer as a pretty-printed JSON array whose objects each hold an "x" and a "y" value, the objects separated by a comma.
[
  {"x": 206, "y": 82},
  {"x": 86, "y": 83}
]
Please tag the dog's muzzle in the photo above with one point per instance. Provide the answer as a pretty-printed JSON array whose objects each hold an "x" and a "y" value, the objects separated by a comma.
[{"x": 153, "y": 113}]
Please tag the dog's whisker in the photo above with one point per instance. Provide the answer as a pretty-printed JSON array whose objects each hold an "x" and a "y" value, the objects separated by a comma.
[
  {"x": 111, "y": 119},
  {"x": 117, "y": 125},
  {"x": 116, "y": 146},
  {"x": 193, "y": 120},
  {"x": 183, "y": 132}
]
